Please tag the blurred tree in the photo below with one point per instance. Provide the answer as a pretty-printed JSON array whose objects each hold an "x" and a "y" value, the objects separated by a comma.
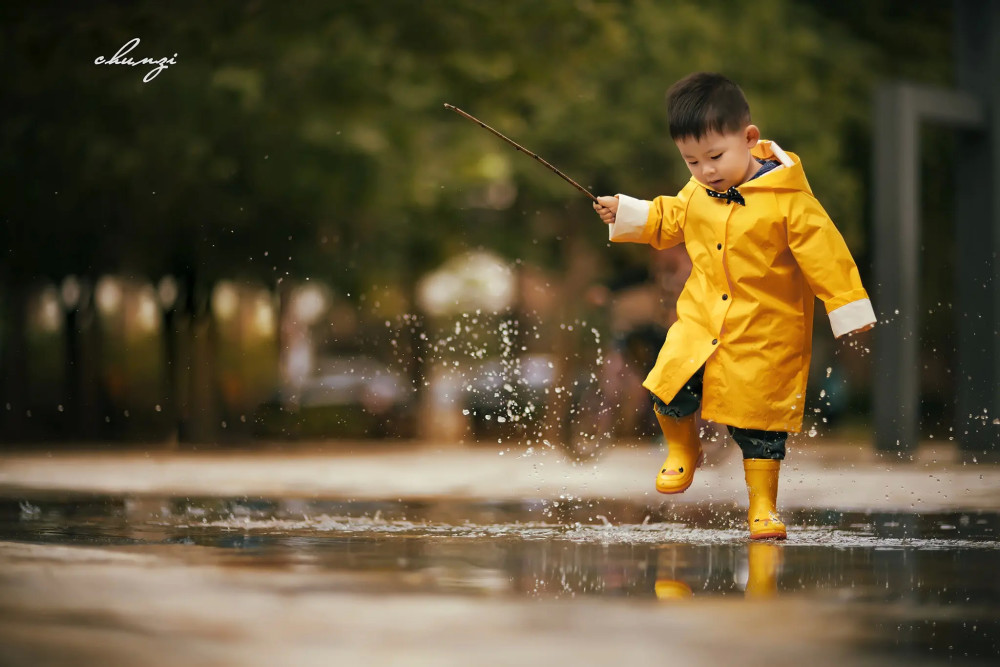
[
  {"x": 316, "y": 132},
  {"x": 309, "y": 139}
]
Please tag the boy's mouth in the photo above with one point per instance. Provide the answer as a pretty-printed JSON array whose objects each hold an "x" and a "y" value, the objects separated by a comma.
[{"x": 717, "y": 184}]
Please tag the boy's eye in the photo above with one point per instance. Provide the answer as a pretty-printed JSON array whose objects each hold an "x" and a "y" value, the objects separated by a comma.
[
  {"x": 716, "y": 157},
  {"x": 692, "y": 162}
]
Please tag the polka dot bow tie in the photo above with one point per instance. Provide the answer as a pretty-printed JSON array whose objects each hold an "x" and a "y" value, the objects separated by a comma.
[{"x": 731, "y": 195}]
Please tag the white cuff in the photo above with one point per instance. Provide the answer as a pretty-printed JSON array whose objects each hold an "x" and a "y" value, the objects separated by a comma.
[
  {"x": 630, "y": 221},
  {"x": 852, "y": 316}
]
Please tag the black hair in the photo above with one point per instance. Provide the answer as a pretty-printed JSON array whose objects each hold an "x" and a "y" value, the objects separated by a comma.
[{"x": 706, "y": 102}]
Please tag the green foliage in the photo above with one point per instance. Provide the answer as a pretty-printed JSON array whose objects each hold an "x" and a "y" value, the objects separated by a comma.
[{"x": 309, "y": 138}]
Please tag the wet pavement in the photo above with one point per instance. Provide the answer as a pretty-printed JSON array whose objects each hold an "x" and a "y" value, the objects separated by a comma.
[{"x": 155, "y": 560}]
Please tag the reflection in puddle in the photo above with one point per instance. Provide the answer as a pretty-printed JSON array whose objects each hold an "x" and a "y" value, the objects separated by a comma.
[{"x": 923, "y": 582}]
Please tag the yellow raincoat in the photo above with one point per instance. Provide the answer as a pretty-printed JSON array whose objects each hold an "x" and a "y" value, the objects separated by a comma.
[{"x": 746, "y": 311}]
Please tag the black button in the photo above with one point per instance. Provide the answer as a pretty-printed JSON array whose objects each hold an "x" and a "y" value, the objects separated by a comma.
[
  {"x": 715, "y": 341},
  {"x": 725, "y": 296},
  {"x": 719, "y": 246}
]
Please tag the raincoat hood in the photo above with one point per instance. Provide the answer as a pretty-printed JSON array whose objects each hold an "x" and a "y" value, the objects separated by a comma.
[{"x": 790, "y": 176}]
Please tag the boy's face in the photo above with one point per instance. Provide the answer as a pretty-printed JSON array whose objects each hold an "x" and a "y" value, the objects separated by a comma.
[{"x": 721, "y": 161}]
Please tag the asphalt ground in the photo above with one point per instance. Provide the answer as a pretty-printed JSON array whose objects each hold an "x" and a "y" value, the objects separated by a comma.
[
  {"x": 423, "y": 553},
  {"x": 837, "y": 475}
]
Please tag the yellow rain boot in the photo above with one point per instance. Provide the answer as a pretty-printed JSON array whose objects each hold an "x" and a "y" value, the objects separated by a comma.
[
  {"x": 684, "y": 453},
  {"x": 763, "y": 563},
  {"x": 762, "y": 486}
]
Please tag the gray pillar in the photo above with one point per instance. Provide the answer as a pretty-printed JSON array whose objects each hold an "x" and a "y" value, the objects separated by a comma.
[
  {"x": 897, "y": 232},
  {"x": 977, "y": 217},
  {"x": 899, "y": 110},
  {"x": 991, "y": 438}
]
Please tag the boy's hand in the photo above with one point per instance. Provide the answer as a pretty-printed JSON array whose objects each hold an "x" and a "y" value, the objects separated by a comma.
[
  {"x": 867, "y": 327},
  {"x": 607, "y": 208}
]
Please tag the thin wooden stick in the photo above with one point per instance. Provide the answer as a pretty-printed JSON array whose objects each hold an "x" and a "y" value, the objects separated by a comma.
[{"x": 523, "y": 150}]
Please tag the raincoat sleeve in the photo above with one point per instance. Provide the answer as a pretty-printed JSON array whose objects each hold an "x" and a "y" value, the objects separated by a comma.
[
  {"x": 827, "y": 265},
  {"x": 660, "y": 222}
]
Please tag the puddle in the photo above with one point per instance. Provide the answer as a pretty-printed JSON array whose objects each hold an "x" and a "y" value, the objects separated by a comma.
[{"x": 925, "y": 585}]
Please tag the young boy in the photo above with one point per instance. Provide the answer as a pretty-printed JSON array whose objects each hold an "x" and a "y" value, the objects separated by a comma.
[{"x": 762, "y": 249}]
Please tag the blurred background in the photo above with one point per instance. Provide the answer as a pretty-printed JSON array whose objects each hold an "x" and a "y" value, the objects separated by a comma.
[{"x": 284, "y": 235}]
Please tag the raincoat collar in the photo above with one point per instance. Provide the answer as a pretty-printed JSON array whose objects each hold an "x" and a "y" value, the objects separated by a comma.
[{"x": 788, "y": 176}]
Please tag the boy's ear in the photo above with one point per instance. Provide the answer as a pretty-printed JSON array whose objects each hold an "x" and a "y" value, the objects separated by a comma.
[{"x": 752, "y": 134}]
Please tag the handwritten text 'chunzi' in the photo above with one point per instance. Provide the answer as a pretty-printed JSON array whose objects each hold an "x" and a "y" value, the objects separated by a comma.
[{"x": 120, "y": 59}]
